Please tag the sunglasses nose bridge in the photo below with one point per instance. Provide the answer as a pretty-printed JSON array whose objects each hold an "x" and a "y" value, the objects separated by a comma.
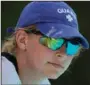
[{"x": 61, "y": 51}]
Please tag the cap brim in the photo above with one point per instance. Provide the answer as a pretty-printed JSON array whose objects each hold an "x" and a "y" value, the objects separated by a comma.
[{"x": 56, "y": 30}]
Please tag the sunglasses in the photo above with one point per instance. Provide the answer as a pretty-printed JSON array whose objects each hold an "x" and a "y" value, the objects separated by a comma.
[{"x": 72, "y": 46}]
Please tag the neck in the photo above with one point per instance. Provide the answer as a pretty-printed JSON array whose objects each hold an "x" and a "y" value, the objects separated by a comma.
[{"x": 32, "y": 77}]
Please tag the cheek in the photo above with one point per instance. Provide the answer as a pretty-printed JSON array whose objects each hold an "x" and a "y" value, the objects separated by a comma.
[
  {"x": 37, "y": 55},
  {"x": 68, "y": 62}
]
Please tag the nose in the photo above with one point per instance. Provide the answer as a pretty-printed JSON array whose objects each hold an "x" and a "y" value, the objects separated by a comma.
[
  {"x": 61, "y": 56},
  {"x": 61, "y": 52}
]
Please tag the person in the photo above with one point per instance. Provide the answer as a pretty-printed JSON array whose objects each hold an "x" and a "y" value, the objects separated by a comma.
[{"x": 42, "y": 45}]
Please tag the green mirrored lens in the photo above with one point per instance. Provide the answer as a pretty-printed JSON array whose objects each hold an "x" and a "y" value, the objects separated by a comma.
[
  {"x": 52, "y": 43},
  {"x": 55, "y": 44}
]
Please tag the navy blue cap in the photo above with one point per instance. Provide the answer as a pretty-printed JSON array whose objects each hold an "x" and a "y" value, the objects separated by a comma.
[{"x": 53, "y": 19}]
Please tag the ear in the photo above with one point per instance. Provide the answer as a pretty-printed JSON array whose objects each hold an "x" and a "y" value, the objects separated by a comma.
[{"x": 21, "y": 39}]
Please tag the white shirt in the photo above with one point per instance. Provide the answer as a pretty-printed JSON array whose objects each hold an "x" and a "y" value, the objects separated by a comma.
[{"x": 9, "y": 74}]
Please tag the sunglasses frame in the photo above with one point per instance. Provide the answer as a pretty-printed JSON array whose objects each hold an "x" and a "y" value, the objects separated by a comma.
[
  {"x": 64, "y": 43},
  {"x": 74, "y": 41}
]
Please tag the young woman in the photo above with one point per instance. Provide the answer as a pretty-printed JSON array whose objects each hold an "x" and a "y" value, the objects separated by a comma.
[{"x": 43, "y": 44}]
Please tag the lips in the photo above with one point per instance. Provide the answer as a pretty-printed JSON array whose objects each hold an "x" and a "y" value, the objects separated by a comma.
[{"x": 56, "y": 65}]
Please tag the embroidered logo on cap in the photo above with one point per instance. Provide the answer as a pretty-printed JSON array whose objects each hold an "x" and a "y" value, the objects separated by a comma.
[
  {"x": 69, "y": 18},
  {"x": 52, "y": 30},
  {"x": 65, "y": 11}
]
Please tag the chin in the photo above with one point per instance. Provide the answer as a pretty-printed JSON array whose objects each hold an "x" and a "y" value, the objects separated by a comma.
[
  {"x": 56, "y": 75},
  {"x": 53, "y": 77}
]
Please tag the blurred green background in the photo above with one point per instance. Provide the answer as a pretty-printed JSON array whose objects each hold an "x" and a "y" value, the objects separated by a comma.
[{"x": 10, "y": 11}]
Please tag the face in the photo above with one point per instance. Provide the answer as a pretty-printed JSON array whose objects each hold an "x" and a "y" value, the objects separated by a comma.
[{"x": 42, "y": 59}]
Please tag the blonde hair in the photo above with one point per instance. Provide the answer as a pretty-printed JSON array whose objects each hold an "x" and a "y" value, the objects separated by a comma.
[{"x": 9, "y": 44}]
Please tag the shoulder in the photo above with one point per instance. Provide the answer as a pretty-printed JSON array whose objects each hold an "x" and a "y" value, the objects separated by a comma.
[{"x": 9, "y": 74}]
